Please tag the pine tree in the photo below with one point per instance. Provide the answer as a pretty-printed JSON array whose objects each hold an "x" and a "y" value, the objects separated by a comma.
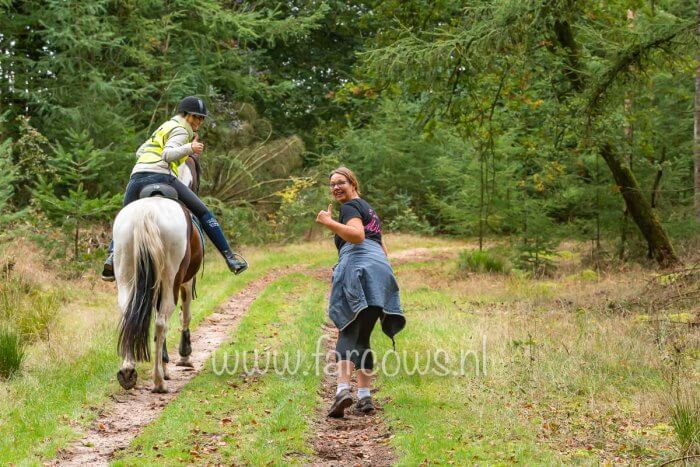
[
  {"x": 8, "y": 175},
  {"x": 70, "y": 197}
]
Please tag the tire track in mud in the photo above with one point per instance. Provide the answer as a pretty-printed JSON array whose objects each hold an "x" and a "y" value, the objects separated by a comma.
[
  {"x": 121, "y": 422},
  {"x": 358, "y": 439}
]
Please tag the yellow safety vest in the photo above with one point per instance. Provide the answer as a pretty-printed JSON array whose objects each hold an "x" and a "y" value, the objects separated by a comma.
[{"x": 154, "y": 146}]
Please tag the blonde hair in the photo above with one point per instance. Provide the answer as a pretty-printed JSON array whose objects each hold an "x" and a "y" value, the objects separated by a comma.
[{"x": 349, "y": 175}]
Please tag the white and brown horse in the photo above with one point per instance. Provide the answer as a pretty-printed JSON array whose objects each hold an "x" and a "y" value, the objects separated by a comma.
[{"x": 157, "y": 254}]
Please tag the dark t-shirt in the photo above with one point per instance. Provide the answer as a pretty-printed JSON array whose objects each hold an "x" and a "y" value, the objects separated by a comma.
[{"x": 358, "y": 207}]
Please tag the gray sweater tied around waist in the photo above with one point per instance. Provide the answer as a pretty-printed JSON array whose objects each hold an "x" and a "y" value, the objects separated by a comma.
[{"x": 363, "y": 278}]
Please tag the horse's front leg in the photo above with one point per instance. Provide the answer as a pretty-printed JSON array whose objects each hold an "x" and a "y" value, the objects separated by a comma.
[
  {"x": 185, "y": 316},
  {"x": 166, "y": 360},
  {"x": 159, "y": 366}
]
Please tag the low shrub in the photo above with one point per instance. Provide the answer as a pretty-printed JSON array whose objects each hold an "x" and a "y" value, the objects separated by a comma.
[{"x": 482, "y": 261}]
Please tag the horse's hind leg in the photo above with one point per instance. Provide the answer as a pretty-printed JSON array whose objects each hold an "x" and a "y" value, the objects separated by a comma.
[
  {"x": 185, "y": 343},
  {"x": 165, "y": 309},
  {"x": 127, "y": 374}
]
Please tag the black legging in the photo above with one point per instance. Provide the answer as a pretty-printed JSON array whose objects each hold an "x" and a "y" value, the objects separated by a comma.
[{"x": 353, "y": 340}]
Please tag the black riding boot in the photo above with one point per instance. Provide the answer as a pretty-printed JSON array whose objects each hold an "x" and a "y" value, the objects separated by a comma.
[
  {"x": 108, "y": 269},
  {"x": 235, "y": 262}
]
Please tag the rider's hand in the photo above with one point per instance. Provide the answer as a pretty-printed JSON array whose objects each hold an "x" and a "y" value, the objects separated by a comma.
[
  {"x": 197, "y": 147},
  {"x": 324, "y": 217}
]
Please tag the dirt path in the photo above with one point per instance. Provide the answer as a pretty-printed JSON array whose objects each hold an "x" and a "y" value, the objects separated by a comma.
[
  {"x": 352, "y": 440},
  {"x": 415, "y": 255},
  {"x": 358, "y": 439},
  {"x": 122, "y": 421}
]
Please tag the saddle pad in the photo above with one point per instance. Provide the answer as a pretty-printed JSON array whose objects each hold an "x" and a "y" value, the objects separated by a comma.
[{"x": 196, "y": 223}]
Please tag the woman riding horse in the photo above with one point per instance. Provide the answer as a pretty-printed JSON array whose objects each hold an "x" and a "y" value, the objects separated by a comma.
[{"x": 158, "y": 161}]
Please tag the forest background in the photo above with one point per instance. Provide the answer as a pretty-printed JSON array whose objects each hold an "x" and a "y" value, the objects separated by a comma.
[
  {"x": 556, "y": 141},
  {"x": 527, "y": 121}
]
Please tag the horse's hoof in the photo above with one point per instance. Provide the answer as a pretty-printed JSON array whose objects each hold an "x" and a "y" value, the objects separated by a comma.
[
  {"x": 159, "y": 390},
  {"x": 127, "y": 377},
  {"x": 166, "y": 377},
  {"x": 185, "y": 363},
  {"x": 185, "y": 344}
]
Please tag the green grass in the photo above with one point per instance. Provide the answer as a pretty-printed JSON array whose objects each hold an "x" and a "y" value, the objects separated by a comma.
[
  {"x": 560, "y": 388},
  {"x": 30, "y": 310},
  {"x": 260, "y": 419},
  {"x": 567, "y": 381},
  {"x": 37, "y": 409},
  {"x": 11, "y": 353},
  {"x": 685, "y": 419},
  {"x": 450, "y": 419}
]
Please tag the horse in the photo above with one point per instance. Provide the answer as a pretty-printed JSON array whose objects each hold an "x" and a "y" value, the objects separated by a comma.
[{"x": 157, "y": 254}]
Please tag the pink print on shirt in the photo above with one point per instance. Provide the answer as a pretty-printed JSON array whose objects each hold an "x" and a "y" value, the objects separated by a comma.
[{"x": 374, "y": 224}]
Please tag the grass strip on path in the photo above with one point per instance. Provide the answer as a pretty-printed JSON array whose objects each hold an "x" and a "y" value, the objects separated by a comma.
[{"x": 251, "y": 416}]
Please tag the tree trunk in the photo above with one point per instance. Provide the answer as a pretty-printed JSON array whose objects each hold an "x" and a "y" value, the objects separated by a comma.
[
  {"x": 482, "y": 188},
  {"x": 76, "y": 239},
  {"x": 656, "y": 190},
  {"x": 629, "y": 137},
  {"x": 640, "y": 210},
  {"x": 629, "y": 132},
  {"x": 696, "y": 146}
]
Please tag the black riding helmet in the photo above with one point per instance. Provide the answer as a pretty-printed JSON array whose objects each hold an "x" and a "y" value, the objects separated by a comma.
[{"x": 192, "y": 105}]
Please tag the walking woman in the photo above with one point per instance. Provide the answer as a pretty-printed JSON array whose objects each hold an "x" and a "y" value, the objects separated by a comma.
[
  {"x": 158, "y": 161},
  {"x": 364, "y": 290}
]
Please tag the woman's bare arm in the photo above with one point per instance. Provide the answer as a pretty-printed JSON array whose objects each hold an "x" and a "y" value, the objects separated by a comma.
[{"x": 353, "y": 231}]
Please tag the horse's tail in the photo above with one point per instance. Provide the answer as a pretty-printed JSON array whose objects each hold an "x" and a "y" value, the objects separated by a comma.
[{"x": 145, "y": 286}]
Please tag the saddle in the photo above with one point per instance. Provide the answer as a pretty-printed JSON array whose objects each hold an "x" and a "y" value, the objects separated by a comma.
[{"x": 158, "y": 189}]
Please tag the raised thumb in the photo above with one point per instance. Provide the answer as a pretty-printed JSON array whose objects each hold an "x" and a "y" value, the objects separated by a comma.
[
  {"x": 196, "y": 138},
  {"x": 330, "y": 208}
]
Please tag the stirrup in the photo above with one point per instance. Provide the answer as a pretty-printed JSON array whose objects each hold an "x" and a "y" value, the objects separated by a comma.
[{"x": 235, "y": 262}]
